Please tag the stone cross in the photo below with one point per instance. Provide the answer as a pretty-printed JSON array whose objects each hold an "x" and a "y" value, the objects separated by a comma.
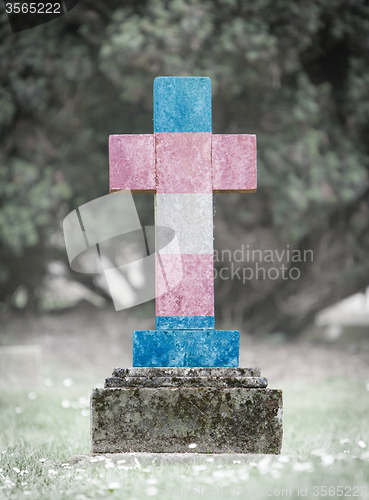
[{"x": 183, "y": 163}]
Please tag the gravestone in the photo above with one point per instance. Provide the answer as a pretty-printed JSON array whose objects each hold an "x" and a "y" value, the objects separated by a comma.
[{"x": 185, "y": 386}]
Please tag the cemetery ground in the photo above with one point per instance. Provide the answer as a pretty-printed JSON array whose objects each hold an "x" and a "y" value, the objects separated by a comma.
[{"x": 326, "y": 426}]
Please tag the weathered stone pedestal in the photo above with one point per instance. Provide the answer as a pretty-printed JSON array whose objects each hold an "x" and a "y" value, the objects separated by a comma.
[{"x": 164, "y": 410}]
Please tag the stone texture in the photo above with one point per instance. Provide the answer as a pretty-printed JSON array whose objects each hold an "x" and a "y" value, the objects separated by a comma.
[
  {"x": 185, "y": 348},
  {"x": 234, "y": 163},
  {"x": 252, "y": 382},
  {"x": 182, "y": 104},
  {"x": 168, "y": 274},
  {"x": 194, "y": 294},
  {"x": 158, "y": 420},
  {"x": 185, "y": 322},
  {"x": 191, "y": 217},
  {"x": 183, "y": 163},
  {"x": 132, "y": 162},
  {"x": 179, "y": 371}
]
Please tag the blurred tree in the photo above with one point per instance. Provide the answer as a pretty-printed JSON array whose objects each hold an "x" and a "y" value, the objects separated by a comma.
[
  {"x": 294, "y": 73},
  {"x": 56, "y": 112}
]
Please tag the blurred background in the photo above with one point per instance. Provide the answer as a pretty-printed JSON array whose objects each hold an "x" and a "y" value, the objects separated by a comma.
[{"x": 295, "y": 73}]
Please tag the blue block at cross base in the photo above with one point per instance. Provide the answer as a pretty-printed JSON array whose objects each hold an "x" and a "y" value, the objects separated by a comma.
[
  {"x": 186, "y": 348},
  {"x": 182, "y": 104},
  {"x": 185, "y": 322}
]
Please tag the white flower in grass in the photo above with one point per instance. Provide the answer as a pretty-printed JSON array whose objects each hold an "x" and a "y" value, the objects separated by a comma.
[
  {"x": 48, "y": 382},
  {"x": 32, "y": 396},
  {"x": 16, "y": 470},
  {"x": 42, "y": 460},
  {"x": 276, "y": 474},
  {"x": 344, "y": 440},
  {"x": 303, "y": 467},
  {"x": 85, "y": 413},
  {"x": 65, "y": 403},
  {"x": 284, "y": 459},
  {"x": 264, "y": 465},
  {"x": 109, "y": 465},
  {"x": 367, "y": 386},
  {"x": 199, "y": 467},
  {"x": 152, "y": 480},
  {"x": 65, "y": 465},
  {"x": 230, "y": 474},
  {"x": 365, "y": 455},
  {"x": 327, "y": 460},
  {"x": 93, "y": 460},
  {"x": 25, "y": 492},
  {"x": 18, "y": 409},
  {"x": 114, "y": 485},
  {"x": 52, "y": 472},
  {"x": 152, "y": 491},
  {"x": 192, "y": 446},
  {"x": 67, "y": 382},
  {"x": 362, "y": 444},
  {"x": 210, "y": 459},
  {"x": 24, "y": 484},
  {"x": 83, "y": 401},
  {"x": 78, "y": 478},
  {"x": 121, "y": 461}
]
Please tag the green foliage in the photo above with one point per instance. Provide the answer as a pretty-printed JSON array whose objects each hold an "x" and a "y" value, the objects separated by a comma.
[
  {"x": 31, "y": 198},
  {"x": 258, "y": 57}
]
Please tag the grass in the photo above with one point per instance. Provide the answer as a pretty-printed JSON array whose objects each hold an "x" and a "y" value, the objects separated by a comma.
[{"x": 323, "y": 424}]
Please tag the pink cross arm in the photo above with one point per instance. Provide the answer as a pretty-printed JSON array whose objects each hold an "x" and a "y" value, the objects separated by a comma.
[
  {"x": 132, "y": 163},
  {"x": 234, "y": 163}
]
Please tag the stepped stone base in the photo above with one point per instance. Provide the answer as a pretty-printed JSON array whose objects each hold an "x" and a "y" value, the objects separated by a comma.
[{"x": 164, "y": 410}]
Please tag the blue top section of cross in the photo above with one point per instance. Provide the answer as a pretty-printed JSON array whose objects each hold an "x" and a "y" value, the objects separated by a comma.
[{"x": 182, "y": 104}]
